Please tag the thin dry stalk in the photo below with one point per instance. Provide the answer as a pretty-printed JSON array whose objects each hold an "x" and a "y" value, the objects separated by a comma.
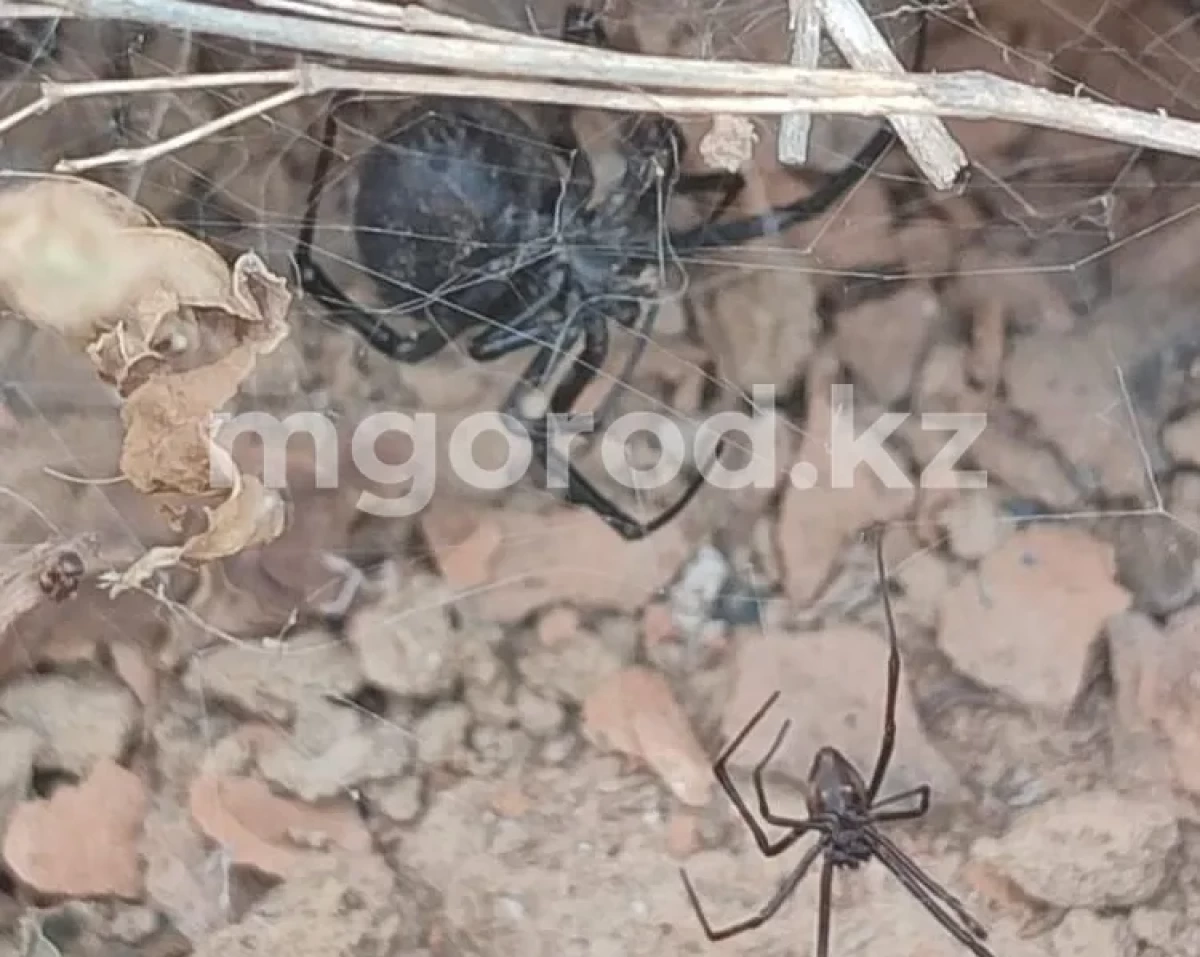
[
  {"x": 719, "y": 86},
  {"x": 795, "y": 129},
  {"x": 410, "y": 18},
  {"x": 1124, "y": 125},
  {"x": 929, "y": 143},
  {"x": 154, "y": 127},
  {"x": 32, "y": 11}
]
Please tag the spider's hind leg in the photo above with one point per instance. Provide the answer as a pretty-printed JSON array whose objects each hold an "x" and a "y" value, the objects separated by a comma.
[
  {"x": 922, "y": 793},
  {"x": 938, "y": 901}
]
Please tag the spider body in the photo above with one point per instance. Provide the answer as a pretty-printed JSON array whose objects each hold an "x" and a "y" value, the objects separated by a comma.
[
  {"x": 482, "y": 226},
  {"x": 844, "y": 812},
  {"x": 477, "y": 181},
  {"x": 481, "y": 187},
  {"x": 837, "y": 787},
  {"x": 837, "y": 793}
]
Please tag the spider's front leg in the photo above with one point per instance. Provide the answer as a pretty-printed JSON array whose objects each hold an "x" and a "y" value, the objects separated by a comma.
[
  {"x": 888, "y": 743},
  {"x": 581, "y": 25},
  {"x": 797, "y": 827},
  {"x": 583, "y": 371},
  {"x": 787, "y": 887}
]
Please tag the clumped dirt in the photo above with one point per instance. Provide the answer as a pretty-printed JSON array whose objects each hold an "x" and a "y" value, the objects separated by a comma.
[{"x": 486, "y": 728}]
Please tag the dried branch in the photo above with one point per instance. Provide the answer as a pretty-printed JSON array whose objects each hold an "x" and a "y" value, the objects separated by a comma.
[
  {"x": 32, "y": 11},
  {"x": 929, "y": 143},
  {"x": 804, "y": 24},
  {"x": 410, "y": 18},
  {"x": 717, "y": 86}
]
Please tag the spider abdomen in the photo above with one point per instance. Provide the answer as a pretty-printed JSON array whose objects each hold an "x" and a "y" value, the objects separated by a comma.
[
  {"x": 457, "y": 184},
  {"x": 837, "y": 788}
]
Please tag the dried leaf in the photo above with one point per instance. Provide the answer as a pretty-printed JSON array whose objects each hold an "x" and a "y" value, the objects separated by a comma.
[
  {"x": 71, "y": 258},
  {"x": 275, "y": 835},
  {"x": 83, "y": 841},
  {"x": 86, "y": 262},
  {"x": 168, "y": 422},
  {"x": 635, "y": 712},
  {"x": 252, "y": 515}
]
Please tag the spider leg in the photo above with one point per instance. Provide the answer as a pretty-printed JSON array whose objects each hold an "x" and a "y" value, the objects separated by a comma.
[
  {"x": 721, "y": 770},
  {"x": 922, "y": 793},
  {"x": 513, "y": 334},
  {"x": 970, "y": 933},
  {"x": 583, "y": 26},
  {"x": 824, "y": 907},
  {"x": 786, "y": 888},
  {"x": 735, "y": 232},
  {"x": 887, "y": 745},
  {"x": 580, "y": 490},
  {"x": 738, "y": 231},
  {"x": 801, "y": 825},
  {"x": 728, "y": 184}
]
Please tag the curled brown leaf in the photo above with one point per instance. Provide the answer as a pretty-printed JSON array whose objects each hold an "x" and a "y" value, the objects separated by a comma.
[{"x": 166, "y": 320}]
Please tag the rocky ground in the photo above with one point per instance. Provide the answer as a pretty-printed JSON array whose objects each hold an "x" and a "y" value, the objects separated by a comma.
[{"x": 487, "y": 729}]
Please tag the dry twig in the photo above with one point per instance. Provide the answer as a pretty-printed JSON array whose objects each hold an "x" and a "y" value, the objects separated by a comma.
[
  {"x": 32, "y": 11},
  {"x": 796, "y": 128},
  {"x": 606, "y": 79},
  {"x": 929, "y": 143},
  {"x": 1021, "y": 104},
  {"x": 410, "y": 18}
]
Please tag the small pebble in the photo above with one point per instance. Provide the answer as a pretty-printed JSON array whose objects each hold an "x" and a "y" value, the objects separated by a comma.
[{"x": 441, "y": 733}]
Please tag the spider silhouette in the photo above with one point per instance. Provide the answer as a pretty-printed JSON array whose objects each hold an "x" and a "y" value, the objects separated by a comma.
[
  {"x": 483, "y": 226},
  {"x": 844, "y": 811}
]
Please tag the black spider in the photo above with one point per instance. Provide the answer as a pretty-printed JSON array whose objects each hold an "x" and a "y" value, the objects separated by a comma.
[
  {"x": 844, "y": 811},
  {"x": 469, "y": 217}
]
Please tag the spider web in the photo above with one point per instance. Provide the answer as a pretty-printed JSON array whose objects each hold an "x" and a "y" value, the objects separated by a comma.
[{"x": 1054, "y": 293}]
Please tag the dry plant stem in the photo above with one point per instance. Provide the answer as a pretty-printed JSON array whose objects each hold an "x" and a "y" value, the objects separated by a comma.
[
  {"x": 55, "y": 93},
  {"x": 144, "y": 154},
  {"x": 965, "y": 95},
  {"x": 31, "y": 11},
  {"x": 929, "y": 143},
  {"x": 552, "y": 60},
  {"x": 764, "y": 88},
  {"x": 311, "y": 79},
  {"x": 796, "y": 128},
  {"x": 137, "y": 173},
  {"x": 410, "y": 17}
]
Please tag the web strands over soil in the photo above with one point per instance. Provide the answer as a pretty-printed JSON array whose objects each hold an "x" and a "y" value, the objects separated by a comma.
[{"x": 1054, "y": 293}]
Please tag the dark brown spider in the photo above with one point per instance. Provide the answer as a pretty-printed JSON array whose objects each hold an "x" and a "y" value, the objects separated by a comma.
[{"x": 843, "y": 810}]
